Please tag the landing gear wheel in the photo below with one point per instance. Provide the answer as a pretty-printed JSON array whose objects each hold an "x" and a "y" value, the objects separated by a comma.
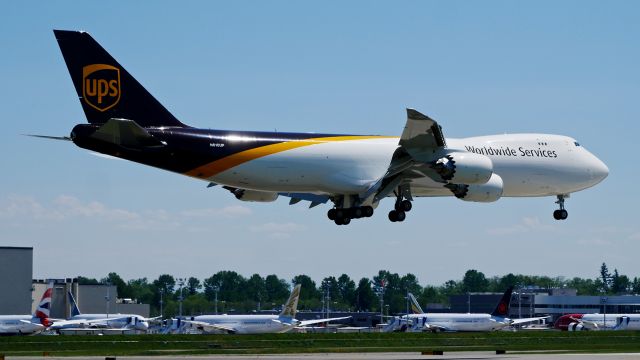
[
  {"x": 367, "y": 210},
  {"x": 346, "y": 221},
  {"x": 338, "y": 221},
  {"x": 393, "y": 216},
  {"x": 405, "y": 205},
  {"x": 357, "y": 213},
  {"x": 564, "y": 214},
  {"x": 331, "y": 214},
  {"x": 340, "y": 213},
  {"x": 401, "y": 215},
  {"x": 561, "y": 214}
]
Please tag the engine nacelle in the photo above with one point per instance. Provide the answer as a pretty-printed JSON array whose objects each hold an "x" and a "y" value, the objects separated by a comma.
[
  {"x": 254, "y": 195},
  {"x": 464, "y": 168},
  {"x": 488, "y": 192},
  {"x": 576, "y": 326}
]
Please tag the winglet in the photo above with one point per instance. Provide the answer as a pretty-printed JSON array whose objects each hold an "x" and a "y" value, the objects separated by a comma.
[{"x": 291, "y": 306}]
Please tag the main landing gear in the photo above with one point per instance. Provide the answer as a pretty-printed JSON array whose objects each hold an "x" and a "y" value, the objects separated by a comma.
[
  {"x": 402, "y": 207},
  {"x": 560, "y": 214},
  {"x": 343, "y": 216}
]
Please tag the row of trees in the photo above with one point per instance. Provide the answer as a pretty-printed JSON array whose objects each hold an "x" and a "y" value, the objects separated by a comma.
[{"x": 228, "y": 291}]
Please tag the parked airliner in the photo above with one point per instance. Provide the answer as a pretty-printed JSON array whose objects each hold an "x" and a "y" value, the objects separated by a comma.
[
  {"x": 29, "y": 324},
  {"x": 598, "y": 321},
  {"x": 79, "y": 320},
  {"x": 353, "y": 172},
  {"x": 435, "y": 322},
  {"x": 256, "y": 324}
]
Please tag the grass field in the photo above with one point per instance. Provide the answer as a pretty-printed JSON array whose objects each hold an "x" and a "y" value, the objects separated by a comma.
[{"x": 602, "y": 341}]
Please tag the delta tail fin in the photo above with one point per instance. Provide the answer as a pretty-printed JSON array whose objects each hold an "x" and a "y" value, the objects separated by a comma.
[
  {"x": 75, "y": 310},
  {"x": 43, "y": 311},
  {"x": 105, "y": 89},
  {"x": 291, "y": 306},
  {"x": 502, "y": 309}
]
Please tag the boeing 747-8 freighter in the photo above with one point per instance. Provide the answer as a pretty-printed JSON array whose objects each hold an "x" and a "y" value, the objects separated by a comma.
[{"x": 353, "y": 172}]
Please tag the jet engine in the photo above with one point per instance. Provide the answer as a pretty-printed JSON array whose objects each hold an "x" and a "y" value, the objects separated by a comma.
[
  {"x": 488, "y": 192},
  {"x": 576, "y": 326},
  {"x": 464, "y": 168},
  {"x": 254, "y": 195}
]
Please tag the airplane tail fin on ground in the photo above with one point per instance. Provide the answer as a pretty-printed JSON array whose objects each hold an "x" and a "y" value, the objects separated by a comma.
[
  {"x": 74, "y": 306},
  {"x": 43, "y": 310},
  {"x": 291, "y": 306},
  {"x": 415, "y": 306},
  {"x": 502, "y": 309},
  {"x": 105, "y": 89}
]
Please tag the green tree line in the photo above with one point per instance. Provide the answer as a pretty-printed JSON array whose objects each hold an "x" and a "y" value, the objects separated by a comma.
[{"x": 236, "y": 293}]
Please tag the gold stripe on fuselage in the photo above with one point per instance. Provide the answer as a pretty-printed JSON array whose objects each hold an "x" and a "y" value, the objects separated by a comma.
[{"x": 215, "y": 167}]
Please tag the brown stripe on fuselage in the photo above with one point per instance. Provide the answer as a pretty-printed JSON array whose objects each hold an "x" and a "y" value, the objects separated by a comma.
[{"x": 226, "y": 163}]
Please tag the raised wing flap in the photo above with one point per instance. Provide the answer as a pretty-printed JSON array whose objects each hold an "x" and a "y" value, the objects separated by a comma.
[
  {"x": 126, "y": 133},
  {"x": 421, "y": 133}
]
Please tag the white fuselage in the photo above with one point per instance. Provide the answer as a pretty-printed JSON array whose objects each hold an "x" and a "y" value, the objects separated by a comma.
[
  {"x": 612, "y": 320},
  {"x": 458, "y": 322},
  {"x": 529, "y": 165},
  {"x": 112, "y": 321},
  {"x": 248, "y": 324},
  {"x": 19, "y": 324}
]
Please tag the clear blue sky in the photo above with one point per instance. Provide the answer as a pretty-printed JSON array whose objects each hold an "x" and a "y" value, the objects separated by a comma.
[{"x": 479, "y": 68}]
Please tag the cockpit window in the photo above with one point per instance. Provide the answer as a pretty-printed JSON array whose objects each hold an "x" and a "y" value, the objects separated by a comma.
[{"x": 576, "y": 143}]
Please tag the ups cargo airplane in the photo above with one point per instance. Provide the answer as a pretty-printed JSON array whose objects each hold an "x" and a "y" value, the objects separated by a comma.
[{"x": 354, "y": 172}]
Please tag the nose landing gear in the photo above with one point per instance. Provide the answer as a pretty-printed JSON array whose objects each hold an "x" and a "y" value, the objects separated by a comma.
[{"x": 561, "y": 214}]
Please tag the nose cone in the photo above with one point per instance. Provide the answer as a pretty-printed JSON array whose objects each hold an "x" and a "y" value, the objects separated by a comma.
[{"x": 599, "y": 171}]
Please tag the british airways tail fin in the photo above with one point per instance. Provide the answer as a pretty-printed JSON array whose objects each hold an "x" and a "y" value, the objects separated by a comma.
[
  {"x": 43, "y": 311},
  {"x": 105, "y": 89}
]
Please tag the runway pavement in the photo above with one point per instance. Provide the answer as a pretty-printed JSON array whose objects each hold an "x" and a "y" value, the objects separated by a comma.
[{"x": 364, "y": 356}]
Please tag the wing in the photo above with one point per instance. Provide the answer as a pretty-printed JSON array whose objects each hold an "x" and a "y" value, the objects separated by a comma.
[
  {"x": 320, "y": 321},
  {"x": 527, "y": 320},
  {"x": 420, "y": 144},
  {"x": 201, "y": 325},
  {"x": 591, "y": 325},
  {"x": 421, "y": 135},
  {"x": 434, "y": 328}
]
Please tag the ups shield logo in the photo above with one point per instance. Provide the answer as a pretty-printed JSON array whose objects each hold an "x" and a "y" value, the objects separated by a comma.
[{"x": 101, "y": 86}]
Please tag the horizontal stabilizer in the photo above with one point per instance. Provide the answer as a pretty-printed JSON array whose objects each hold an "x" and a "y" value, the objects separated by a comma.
[
  {"x": 65, "y": 138},
  {"x": 126, "y": 133}
]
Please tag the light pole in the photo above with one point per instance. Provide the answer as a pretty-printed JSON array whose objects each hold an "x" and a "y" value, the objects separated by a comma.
[
  {"x": 108, "y": 297},
  {"x": 520, "y": 302},
  {"x": 161, "y": 304},
  {"x": 382, "y": 283},
  {"x": 604, "y": 303},
  {"x": 216, "y": 288},
  {"x": 180, "y": 298}
]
